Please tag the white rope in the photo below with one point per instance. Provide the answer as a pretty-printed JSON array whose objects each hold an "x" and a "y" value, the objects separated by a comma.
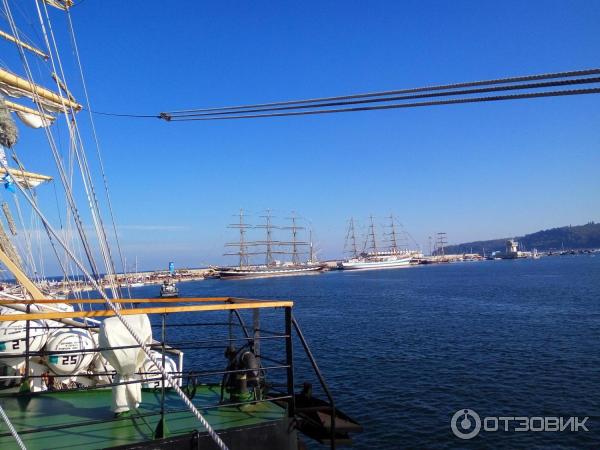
[
  {"x": 81, "y": 155},
  {"x": 52, "y": 142},
  {"x": 213, "y": 434},
  {"x": 97, "y": 142},
  {"x": 85, "y": 272},
  {"x": 12, "y": 429}
]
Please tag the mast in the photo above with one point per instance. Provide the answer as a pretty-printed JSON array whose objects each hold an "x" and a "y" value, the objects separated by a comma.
[
  {"x": 269, "y": 230},
  {"x": 242, "y": 244},
  {"x": 352, "y": 235},
  {"x": 393, "y": 241},
  {"x": 311, "y": 255},
  {"x": 441, "y": 240},
  {"x": 294, "y": 228},
  {"x": 268, "y": 226},
  {"x": 372, "y": 235},
  {"x": 295, "y": 243}
]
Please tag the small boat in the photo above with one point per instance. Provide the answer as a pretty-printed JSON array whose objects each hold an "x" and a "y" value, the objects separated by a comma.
[{"x": 169, "y": 289}]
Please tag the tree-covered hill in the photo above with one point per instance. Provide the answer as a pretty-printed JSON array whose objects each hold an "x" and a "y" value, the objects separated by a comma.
[{"x": 569, "y": 237}]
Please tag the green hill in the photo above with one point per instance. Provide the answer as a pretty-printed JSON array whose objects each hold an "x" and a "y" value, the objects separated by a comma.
[{"x": 570, "y": 237}]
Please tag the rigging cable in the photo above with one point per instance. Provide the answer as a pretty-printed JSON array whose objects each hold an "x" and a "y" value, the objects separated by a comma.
[
  {"x": 404, "y": 105},
  {"x": 546, "y": 84},
  {"x": 546, "y": 76},
  {"x": 97, "y": 142},
  {"x": 12, "y": 429},
  {"x": 531, "y": 86},
  {"x": 115, "y": 309},
  {"x": 52, "y": 144},
  {"x": 79, "y": 151}
]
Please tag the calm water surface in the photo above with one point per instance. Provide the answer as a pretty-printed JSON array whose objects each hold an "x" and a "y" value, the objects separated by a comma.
[{"x": 403, "y": 350}]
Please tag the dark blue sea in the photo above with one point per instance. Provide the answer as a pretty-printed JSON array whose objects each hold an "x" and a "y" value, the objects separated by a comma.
[{"x": 403, "y": 350}]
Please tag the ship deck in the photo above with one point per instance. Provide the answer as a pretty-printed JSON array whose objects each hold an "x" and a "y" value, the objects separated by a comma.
[{"x": 84, "y": 420}]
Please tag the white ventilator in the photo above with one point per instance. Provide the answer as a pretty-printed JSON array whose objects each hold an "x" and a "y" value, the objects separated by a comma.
[
  {"x": 76, "y": 344},
  {"x": 13, "y": 337},
  {"x": 126, "y": 361}
]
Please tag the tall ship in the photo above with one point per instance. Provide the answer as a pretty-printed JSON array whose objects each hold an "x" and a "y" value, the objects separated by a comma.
[
  {"x": 269, "y": 248},
  {"x": 373, "y": 256},
  {"x": 102, "y": 369}
]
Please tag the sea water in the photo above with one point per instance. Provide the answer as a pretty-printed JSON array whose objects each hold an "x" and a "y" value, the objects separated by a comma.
[{"x": 404, "y": 350}]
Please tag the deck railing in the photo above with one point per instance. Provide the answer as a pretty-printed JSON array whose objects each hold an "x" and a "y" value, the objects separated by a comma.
[{"x": 257, "y": 339}]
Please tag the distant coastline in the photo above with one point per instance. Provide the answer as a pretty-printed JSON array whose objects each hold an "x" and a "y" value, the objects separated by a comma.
[{"x": 569, "y": 237}]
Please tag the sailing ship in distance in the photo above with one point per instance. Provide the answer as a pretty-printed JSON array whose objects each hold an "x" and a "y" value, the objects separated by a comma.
[
  {"x": 270, "y": 249},
  {"x": 393, "y": 253}
]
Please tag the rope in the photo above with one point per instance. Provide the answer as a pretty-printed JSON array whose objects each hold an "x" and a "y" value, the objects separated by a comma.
[
  {"x": 546, "y": 84},
  {"x": 80, "y": 153},
  {"x": 133, "y": 333},
  {"x": 92, "y": 279},
  {"x": 405, "y": 105},
  {"x": 52, "y": 143},
  {"x": 546, "y": 76},
  {"x": 12, "y": 429},
  {"x": 96, "y": 140}
]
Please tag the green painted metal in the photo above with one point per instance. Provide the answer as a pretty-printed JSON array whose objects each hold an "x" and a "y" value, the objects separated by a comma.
[{"x": 44, "y": 411}]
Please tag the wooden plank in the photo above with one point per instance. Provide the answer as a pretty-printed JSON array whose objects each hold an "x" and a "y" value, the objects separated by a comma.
[{"x": 154, "y": 310}]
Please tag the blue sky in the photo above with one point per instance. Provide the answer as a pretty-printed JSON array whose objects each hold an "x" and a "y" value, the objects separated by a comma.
[{"x": 475, "y": 171}]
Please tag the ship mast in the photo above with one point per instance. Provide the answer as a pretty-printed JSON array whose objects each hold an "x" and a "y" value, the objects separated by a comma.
[
  {"x": 372, "y": 235},
  {"x": 352, "y": 236},
  {"x": 295, "y": 243},
  {"x": 440, "y": 242},
  {"x": 312, "y": 255},
  {"x": 294, "y": 228},
  {"x": 393, "y": 241},
  {"x": 242, "y": 244},
  {"x": 268, "y": 226}
]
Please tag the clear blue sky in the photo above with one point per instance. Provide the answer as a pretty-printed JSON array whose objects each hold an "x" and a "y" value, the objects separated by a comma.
[{"x": 475, "y": 171}]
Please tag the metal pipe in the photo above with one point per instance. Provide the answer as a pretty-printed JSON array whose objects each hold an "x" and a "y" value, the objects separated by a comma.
[
  {"x": 290, "y": 362},
  {"x": 320, "y": 377},
  {"x": 162, "y": 391}
]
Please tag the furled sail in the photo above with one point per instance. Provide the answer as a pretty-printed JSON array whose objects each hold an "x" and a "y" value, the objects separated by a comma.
[
  {"x": 12, "y": 85},
  {"x": 47, "y": 118},
  {"x": 24, "y": 178},
  {"x": 33, "y": 120}
]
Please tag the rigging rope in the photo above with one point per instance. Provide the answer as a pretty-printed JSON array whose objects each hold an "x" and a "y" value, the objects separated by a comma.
[
  {"x": 408, "y": 97},
  {"x": 324, "y": 105},
  {"x": 97, "y": 142},
  {"x": 12, "y": 429},
  {"x": 554, "y": 75},
  {"x": 170, "y": 380},
  {"x": 404, "y": 105},
  {"x": 52, "y": 144},
  {"x": 80, "y": 154}
]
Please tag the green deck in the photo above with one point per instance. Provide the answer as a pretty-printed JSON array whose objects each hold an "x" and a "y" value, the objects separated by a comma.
[{"x": 73, "y": 408}]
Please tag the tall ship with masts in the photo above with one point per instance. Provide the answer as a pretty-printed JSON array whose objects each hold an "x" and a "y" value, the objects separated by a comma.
[
  {"x": 391, "y": 255},
  {"x": 269, "y": 248},
  {"x": 108, "y": 372}
]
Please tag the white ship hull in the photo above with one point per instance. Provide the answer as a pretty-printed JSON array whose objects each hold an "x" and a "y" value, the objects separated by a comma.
[{"x": 376, "y": 263}]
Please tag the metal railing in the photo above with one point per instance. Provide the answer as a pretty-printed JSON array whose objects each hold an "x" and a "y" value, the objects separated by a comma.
[{"x": 254, "y": 337}]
